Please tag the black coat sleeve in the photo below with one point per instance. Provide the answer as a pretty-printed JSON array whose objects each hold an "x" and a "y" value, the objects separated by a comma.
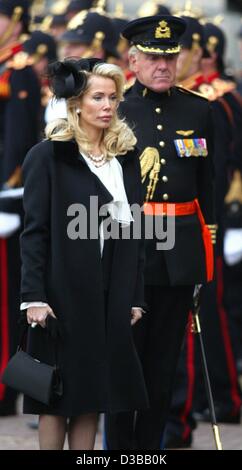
[{"x": 34, "y": 241}]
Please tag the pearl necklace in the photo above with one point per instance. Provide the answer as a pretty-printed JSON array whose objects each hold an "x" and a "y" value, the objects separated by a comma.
[{"x": 98, "y": 160}]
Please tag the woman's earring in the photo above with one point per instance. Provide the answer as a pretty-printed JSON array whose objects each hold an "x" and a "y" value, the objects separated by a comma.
[{"x": 78, "y": 111}]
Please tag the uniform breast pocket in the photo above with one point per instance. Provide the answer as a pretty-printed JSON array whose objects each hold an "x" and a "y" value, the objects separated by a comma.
[{"x": 186, "y": 148}]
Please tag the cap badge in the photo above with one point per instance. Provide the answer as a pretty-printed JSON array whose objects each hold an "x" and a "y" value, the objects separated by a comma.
[{"x": 163, "y": 30}]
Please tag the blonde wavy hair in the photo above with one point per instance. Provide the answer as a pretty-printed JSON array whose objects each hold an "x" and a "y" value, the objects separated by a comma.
[{"x": 118, "y": 138}]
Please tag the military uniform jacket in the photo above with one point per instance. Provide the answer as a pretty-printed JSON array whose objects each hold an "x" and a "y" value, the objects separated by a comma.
[
  {"x": 164, "y": 121},
  {"x": 19, "y": 115}
]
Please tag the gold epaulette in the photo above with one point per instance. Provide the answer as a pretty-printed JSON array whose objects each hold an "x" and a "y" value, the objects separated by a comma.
[
  {"x": 190, "y": 92},
  {"x": 190, "y": 82},
  {"x": 223, "y": 86},
  {"x": 208, "y": 91},
  {"x": 19, "y": 61}
]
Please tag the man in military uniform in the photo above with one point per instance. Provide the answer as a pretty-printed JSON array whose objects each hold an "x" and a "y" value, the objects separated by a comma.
[
  {"x": 90, "y": 33},
  {"x": 20, "y": 104},
  {"x": 174, "y": 131}
]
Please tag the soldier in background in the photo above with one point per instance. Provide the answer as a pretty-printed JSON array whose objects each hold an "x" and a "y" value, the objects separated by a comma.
[
  {"x": 226, "y": 89},
  {"x": 41, "y": 50},
  {"x": 90, "y": 33},
  {"x": 214, "y": 319},
  {"x": 20, "y": 106},
  {"x": 58, "y": 18},
  {"x": 120, "y": 20}
]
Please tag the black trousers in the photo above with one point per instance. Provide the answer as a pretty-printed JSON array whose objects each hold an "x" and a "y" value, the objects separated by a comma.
[
  {"x": 158, "y": 338},
  {"x": 188, "y": 395}
]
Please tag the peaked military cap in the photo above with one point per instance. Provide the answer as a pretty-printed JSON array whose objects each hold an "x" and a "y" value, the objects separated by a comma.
[
  {"x": 16, "y": 9},
  {"x": 194, "y": 33},
  {"x": 158, "y": 34},
  {"x": 85, "y": 25},
  {"x": 214, "y": 39},
  {"x": 41, "y": 44}
]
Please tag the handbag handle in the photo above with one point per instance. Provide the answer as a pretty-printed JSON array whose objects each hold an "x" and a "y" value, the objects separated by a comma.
[{"x": 53, "y": 334}]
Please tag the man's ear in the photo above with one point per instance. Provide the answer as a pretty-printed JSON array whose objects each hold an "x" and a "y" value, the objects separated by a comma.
[{"x": 132, "y": 62}]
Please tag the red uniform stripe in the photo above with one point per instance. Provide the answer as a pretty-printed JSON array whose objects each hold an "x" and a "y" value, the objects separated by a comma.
[
  {"x": 190, "y": 379},
  {"x": 227, "y": 342}
]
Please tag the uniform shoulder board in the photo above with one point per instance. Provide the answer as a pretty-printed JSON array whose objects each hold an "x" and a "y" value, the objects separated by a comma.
[
  {"x": 190, "y": 92},
  {"x": 19, "y": 61},
  {"x": 223, "y": 86}
]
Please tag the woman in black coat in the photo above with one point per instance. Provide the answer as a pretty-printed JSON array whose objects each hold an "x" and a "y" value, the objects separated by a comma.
[{"x": 79, "y": 183}]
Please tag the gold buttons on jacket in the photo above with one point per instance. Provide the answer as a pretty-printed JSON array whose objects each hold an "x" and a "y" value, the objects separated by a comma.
[
  {"x": 162, "y": 143},
  {"x": 158, "y": 110},
  {"x": 163, "y": 161},
  {"x": 165, "y": 197},
  {"x": 159, "y": 127},
  {"x": 164, "y": 179}
]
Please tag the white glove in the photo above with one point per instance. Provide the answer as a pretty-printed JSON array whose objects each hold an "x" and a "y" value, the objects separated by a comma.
[
  {"x": 9, "y": 224},
  {"x": 233, "y": 246}
]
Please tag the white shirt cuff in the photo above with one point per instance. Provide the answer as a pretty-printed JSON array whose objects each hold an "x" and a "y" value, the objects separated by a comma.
[
  {"x": 142, "y": 310},
  {"x": 25, "y": 305}
]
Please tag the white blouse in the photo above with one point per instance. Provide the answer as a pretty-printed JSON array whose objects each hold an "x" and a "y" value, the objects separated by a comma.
[{"x": 111, "y": 175}]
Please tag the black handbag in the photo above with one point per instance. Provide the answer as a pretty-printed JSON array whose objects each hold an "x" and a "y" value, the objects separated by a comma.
[{"x": 36, "y": 379}]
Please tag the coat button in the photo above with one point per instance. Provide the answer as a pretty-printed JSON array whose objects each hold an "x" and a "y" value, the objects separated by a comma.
[
  {"x": 165, "y": 197},
  {"x": 158, "y": 110},
  {"x": 163, "y": 161},
  {"x": 159, "y": 127},
  {"x": 162, "y": 143},
  {"x": 164, "y": 179}
]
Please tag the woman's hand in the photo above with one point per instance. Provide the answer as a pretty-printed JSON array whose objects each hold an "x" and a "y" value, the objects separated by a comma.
[
  {"x": 136, "y": 314},
  {"x": 39, "y": 314}
]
